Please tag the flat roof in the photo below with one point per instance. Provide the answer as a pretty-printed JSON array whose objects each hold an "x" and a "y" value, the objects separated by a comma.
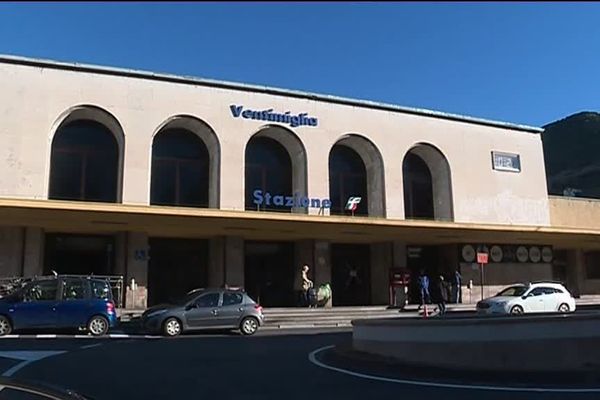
[{"x": 132, "y": 73}]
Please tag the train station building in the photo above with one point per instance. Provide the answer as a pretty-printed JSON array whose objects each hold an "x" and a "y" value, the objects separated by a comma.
[{"x": 176, "y": 183}]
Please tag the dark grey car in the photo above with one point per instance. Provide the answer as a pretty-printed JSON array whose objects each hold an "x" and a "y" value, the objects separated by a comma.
[{"x": 205, "y": 309}]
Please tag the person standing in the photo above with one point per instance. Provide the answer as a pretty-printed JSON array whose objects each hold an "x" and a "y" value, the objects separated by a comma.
[
  {"x": 306, "y": 284},
  {"x": 456, "y": 289}
]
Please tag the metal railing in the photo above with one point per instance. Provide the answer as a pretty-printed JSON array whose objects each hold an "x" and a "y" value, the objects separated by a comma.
[{"x": 9, "y": 285}]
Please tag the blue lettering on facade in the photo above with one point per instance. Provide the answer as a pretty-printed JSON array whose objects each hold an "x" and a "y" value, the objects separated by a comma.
[
  {"x": 260, "y": 198},
  {"x": 294, "y": 121}
]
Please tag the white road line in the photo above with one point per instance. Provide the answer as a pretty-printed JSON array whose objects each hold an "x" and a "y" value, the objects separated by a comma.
[
  {"x": 27, "y": 356},
  {"x": 45, "y": 336},
  {"x": 312, "y": 358},
  {"x": 118, "y": 335},
  {"x": 89, "y": 346}
]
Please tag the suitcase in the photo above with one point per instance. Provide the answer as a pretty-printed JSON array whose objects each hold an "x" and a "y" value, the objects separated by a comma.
[{"x": 312, "y": 297}]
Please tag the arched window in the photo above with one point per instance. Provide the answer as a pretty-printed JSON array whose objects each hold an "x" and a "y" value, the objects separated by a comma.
[
  {"x": 347, "y": 178},
  {"x": 84, "y": 163},
  {"x": 180, "y": 169},
  {"x": 427, "y": 184},
  {"x": 269, "y": 169}
]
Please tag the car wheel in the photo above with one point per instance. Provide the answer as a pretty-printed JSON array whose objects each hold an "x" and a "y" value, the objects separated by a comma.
[
  {"x": 5, "y": 326},
  {"x": 516, "y": 310},
  {"x": 98, "y": 325},
  {"x": 564, "y": 308},
  {"x": 172, "y": 327},
  {"x": 249, "y": 326}
]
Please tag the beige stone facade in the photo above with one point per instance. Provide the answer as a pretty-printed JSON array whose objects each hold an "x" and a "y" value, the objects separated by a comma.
[{"x": 39, "y": 97}]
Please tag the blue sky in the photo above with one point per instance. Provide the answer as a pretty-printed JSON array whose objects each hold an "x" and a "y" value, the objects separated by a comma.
[{"x": 518, "y": 62}]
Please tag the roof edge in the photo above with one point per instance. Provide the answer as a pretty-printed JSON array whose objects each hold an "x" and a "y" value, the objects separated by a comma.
[{"x": 140, "y": 74}]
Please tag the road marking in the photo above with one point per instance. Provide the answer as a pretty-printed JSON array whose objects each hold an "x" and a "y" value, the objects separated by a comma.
[
  {"x": 89, "y": 346},
  {"x": 27, "y": 356},
  {"x": 313, "y": 359},
  {"x": 109, "y": 336}
]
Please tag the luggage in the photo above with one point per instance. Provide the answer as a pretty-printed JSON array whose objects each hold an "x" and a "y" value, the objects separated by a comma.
[{"x": 312, "y": 297}]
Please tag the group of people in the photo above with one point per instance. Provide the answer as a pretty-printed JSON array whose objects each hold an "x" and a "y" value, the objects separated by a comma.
[{"x": 445, "y": 289}]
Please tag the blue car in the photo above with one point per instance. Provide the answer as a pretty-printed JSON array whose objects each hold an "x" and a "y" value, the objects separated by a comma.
[{"x": 59, "y": 302}]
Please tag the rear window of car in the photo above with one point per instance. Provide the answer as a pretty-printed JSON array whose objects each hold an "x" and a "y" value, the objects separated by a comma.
[
  {"x": 101, "y": 290},
  {"x": 230, "y": 299},
  {"x": 74, "y": 289}
]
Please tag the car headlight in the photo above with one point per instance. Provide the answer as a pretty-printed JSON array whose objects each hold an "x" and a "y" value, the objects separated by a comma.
[{"x": 501, "y": 303}]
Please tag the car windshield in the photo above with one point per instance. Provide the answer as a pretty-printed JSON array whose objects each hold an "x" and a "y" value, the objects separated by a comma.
[{"x": 513, "y": 291}]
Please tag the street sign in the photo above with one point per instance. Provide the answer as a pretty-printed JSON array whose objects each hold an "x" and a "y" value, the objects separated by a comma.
[{"x": 482, "y": 258}]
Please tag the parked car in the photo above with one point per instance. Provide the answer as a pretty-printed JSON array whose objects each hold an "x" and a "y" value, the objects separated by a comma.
[
  {"x": 535, "y": 297},
  {"x": 205, "y": 309},
  {"x": 59, "y": 302}
]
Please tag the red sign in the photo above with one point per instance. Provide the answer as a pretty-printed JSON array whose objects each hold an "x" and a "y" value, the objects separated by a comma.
[{"x": 482, "y": 258}]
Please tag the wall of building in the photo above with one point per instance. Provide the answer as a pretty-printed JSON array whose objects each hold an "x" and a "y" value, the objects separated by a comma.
[
  {"x": 35, "y": 101},
  {"x": 574, "y": 212}
]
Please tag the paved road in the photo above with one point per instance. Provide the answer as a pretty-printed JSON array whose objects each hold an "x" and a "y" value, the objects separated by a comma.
[{"x": 270, "y": 365}]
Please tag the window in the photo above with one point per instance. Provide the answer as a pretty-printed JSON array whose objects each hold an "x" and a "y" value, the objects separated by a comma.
[
  {"x": 208, "y": 300},
  {"x": 100, "y": 290},
  {"x": 548, "y": 290},
  {"x": 230, "y": 299},
  {"x": 592, "y": 265},
  {"x": 538, "y": 291},
  {"x": 513, "y": 291},
  {"x": 40, "y": 291},
  {"x": 84, "y": 163},
  {"x": 74, "y": 289}
]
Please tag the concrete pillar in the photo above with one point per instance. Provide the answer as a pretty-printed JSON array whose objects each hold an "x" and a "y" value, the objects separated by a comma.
[
  {"x": 318, "y": 165},
  {"x": 575, "y": 271},
  {"x": 137, "y": 251},
  {"x": 226, "y": 261},
  {"x": 399, "y": 254},
  {"x": 120, "y": 254},
  {"x": 11, "y": 245},
  {"x": 33, "y": 263},
  {"x": 381, "y": 262},
  {"x": 317, "y": 255}
]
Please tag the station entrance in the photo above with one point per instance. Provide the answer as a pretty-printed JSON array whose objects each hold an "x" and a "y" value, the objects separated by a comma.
[
  {"x": 350, "y": 274},
  {"x": 79, "y": 254},
  {"x": 176, "y": 266},
  {"x": 269, "y": 273}
]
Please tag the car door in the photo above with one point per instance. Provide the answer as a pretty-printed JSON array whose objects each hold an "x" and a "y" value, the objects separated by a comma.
[
  {"x": 204, "y": 311},
  {"x": 535, "y": 300},
  {"x": 74, "y": 305},
  {"x": 231, "y": 309},
  {"x": 36, "y": 307},
  {"x": 551, "y": 299}
]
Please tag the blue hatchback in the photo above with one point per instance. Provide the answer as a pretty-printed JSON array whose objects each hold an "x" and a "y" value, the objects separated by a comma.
[{"x": 62, "y": 302}]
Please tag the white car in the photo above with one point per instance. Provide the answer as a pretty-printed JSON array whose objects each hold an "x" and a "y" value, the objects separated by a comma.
[{"x": 536, "y": 297}]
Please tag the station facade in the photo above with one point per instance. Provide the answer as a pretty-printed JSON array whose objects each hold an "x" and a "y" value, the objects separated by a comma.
[{"x": 176, "y": 183}]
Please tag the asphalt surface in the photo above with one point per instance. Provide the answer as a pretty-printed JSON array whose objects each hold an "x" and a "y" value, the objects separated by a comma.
[{"x": 270, "y": 365}]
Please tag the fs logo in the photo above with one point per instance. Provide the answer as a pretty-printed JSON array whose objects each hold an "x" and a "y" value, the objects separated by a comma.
[{"x": 353, "y": 203}]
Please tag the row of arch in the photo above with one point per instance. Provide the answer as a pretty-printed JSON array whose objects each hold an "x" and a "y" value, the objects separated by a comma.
[{"x": 86, "y": 164}]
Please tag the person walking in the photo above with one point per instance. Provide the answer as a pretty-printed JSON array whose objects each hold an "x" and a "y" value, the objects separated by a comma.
[
  {"x": 424, "y": 288},
  {"x": 456, "y": 289},
  {"x": 440, "y": 295}
]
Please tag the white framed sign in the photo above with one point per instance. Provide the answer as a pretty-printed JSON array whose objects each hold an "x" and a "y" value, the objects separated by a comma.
[{"x": 506, "y": 161}]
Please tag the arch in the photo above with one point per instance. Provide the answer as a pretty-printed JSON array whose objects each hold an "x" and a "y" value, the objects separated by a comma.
[
  {"x": 427, "y": 175},
  {"x": 185, "y": 129},
  {"x": 272, "y": 136},
  {"x": 70, "y": 149},
  {"x": 357, "y": 146}
]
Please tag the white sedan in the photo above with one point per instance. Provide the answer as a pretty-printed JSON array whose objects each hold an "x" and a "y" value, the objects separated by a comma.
[{"x": 532, "y": 298}]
